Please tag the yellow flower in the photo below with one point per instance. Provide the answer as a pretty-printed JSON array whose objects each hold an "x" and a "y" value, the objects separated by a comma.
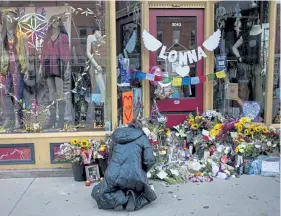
[
  {"x": 252, "y": 130},
  {"x": 237, "y": 149},
  {"x": 239, "y": 127},
  {"x": 195, "y": 126},
  {"x": 191, "y": 121},
  {"x": 265, "y": 130},
  {"x": 218, "y": 126},
  {"x": 257, "y": 128},
  {"x": 74, "y": 141},
  {"x": 85, "y": 144},
  {"x": 246, "y": 132},
  {"x": 245, "y": 120},
  {"x": 197, "y": 117},
  {"x": 213, "y": 133},
  {"x": 102, "y": 148}
]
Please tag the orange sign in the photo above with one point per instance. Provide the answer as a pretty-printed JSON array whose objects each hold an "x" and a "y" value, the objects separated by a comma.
[{"x": 128, "y": 101}]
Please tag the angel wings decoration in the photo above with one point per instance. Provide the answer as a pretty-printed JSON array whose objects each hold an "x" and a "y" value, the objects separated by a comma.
[{"x": 184, "y": 58}]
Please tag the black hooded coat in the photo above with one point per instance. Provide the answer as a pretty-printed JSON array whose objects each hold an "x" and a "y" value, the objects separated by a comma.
[{"x": 130, "y": 159}]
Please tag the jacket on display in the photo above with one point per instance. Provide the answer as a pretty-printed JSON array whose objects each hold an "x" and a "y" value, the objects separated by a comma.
[{"x": 130, "y": 159}]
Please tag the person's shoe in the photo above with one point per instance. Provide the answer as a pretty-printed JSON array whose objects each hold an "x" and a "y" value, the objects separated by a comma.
[
  {"x": 118, "y": 208},
  {"x": 131, "y": 205}
]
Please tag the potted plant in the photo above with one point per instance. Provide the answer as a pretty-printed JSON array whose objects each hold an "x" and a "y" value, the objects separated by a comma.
[{"x": 79, "y": 154}]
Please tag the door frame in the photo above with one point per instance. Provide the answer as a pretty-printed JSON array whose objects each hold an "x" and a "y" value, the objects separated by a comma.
[{"x": 187, "y": 104}]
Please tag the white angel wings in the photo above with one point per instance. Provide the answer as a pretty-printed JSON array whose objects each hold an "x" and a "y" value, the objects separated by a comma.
[
  {"x": 213, "y": 41},
  {"x": 152, "y": 44}
]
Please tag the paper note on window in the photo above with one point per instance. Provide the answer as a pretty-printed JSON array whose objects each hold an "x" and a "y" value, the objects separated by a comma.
[
  {"x": 128, "y": 113},
  {"x": 232, "y": 91}
]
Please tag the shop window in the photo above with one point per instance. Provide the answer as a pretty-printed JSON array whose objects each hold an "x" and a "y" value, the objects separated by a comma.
[
  {"x": 276, "y": 79},
  {"x": 54, "y": 74},
  {"x": 129, "y": 88},
  {"x": 243, "y": 55}
]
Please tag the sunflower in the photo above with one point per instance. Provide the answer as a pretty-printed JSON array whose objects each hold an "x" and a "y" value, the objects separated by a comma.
[
  {"x": 195, "y": 126},
  {"x": 252, "y": 130},
  {"x": 265, "y": 130},
  {"x": 239, "y": 127},
  {"x": 85, "y": 143},
  {"x": 102, "y": 148},
  {"x": 257, "y": 128},
  {"x": 246, "y": 132},
  {"x": 218, "y": 126},
  {"x": 245, "y": 120},
  {"x": 191, "y": 121},
  {"x": 213, "y": 133},
  {"x": 74, "y": 141}
]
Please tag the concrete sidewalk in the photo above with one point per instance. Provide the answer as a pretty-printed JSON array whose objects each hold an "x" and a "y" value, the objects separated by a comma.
[{"x": 246, "y": 196}]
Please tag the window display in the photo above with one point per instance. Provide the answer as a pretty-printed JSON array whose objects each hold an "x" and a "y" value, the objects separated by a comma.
[
  {"x": 276, "y": 79},
  {"x": 50, "y": 80},
  {"x": 242, "y": 54},
  {"x": 129, "y": 88}
]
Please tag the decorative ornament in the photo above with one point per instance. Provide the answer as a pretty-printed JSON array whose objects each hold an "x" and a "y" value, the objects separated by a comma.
[
  {"x": 251, "y": 109},
  {"x": 150, "y": 42},
  {"x": 213, "y": 41}
]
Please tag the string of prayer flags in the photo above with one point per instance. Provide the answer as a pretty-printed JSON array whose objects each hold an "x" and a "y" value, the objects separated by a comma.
[
  {"x": 177, "y": 81},
  {"x": 220, "y": 74}
]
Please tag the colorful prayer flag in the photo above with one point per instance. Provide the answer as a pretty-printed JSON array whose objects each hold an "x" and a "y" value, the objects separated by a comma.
[
  {"x": 194, "y": 80},
  {"x": 185, "y": 81},
  {"x": 177, "y": 81},
  {"x": 211, "y": 77},
  {"x": 220, "y": 74}
]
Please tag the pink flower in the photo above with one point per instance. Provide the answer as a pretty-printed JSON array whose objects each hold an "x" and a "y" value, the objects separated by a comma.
[{"x": 224, "y": 159}]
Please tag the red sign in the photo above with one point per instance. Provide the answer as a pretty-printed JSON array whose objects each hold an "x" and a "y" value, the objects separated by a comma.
[{"x": 15, "y": 153}]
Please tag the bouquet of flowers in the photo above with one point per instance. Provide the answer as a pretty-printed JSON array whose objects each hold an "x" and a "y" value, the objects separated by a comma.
[
  {"x": 76, "y": 151},
  {"x": 100, "y": 149}
]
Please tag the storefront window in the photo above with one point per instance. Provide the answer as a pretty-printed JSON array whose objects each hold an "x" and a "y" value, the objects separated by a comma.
[
  {"x": 54, "y": 69},
  {"x": 243, "y": 55},
  {"x": 128, "y": 29},
  {"x": 276, "y": 79}
]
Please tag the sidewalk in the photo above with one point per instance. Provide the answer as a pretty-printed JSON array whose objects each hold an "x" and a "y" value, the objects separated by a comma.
[{"x": 246, "y": 196}]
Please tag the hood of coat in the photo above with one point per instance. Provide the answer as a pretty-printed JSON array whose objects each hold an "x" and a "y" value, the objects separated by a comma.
[{"x": 126, "y": 135}]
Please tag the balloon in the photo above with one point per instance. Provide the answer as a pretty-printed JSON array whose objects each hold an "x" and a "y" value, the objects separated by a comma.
[{"x": 157, "y": 72}]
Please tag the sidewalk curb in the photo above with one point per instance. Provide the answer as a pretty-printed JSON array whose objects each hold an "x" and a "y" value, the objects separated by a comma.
[{"x": 35, "y": 173}]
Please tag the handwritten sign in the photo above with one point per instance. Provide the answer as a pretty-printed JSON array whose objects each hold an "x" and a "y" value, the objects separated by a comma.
[{"x": 128, "y": 101}]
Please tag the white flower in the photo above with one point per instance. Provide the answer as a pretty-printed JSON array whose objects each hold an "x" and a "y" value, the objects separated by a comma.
[
  {"x": 257, "y": 146},
  {"x": 219, "y": 149},
  {"x": 227, "y": 150}
]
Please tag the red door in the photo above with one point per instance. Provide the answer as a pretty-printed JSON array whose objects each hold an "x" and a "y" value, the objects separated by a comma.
[{"x": 178, "y": 30}]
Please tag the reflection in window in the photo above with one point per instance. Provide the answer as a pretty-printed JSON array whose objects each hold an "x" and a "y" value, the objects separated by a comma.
[
  {"x": 276, "y": 79},
  {"x": 243, "y": 54}
]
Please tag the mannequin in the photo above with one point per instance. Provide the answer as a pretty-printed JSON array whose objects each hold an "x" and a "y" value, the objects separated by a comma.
[
  {"x": 55, "y": 58},
  {"x": 14, "y": 62},
  {"x": 249, "y": 67},
  {"x": 95, "y": 49}
]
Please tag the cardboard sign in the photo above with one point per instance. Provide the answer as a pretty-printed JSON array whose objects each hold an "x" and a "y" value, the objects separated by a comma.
[
  {"x": 232, "y": 91},
  {"x": 128, "y": 103}
]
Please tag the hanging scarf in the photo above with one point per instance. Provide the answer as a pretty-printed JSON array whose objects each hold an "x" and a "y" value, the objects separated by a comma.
[{"x": 21, "y": 52}]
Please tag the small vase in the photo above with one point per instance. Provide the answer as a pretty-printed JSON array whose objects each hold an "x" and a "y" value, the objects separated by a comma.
[{"x": 79, "y": 173}]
